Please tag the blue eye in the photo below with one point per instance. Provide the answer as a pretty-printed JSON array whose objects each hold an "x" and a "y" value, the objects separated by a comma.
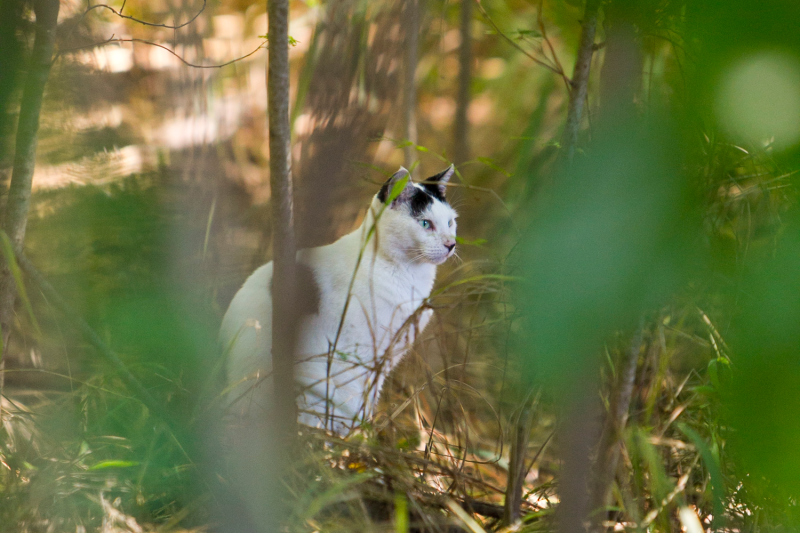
[
  {"x": 426, "y": 224},
  {"x": 450, "y": 224}
]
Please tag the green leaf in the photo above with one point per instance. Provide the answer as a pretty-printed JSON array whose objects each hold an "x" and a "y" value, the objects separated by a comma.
[
  {"x": 292, "y": 40},
  {"x": 398, "y": 187},
  {"x": 476, "y": 242},
  {"x": 113, "y": 463},
  {"x": 400, "y": 513},
  {"x": 520, "y": 34},
  {"x": 491, "y": 164}
]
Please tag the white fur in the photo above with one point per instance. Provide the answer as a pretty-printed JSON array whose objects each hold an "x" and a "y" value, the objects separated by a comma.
[{"x": 393, "y": 279}]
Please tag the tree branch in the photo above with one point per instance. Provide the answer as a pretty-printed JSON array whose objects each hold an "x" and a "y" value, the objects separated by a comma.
[
  {"x": 144, "y": 22},
  {"x": 515, "y": 45},
  {"x": 151, "y": 43}
]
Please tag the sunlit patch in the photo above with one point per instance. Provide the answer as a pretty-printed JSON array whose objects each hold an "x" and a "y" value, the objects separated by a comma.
[
  {"x": 440, "y": 112},
  {"x": 759, "y": 99},
  {"x": 492, "y": 68},
  {"x": 480, "y": 110}
]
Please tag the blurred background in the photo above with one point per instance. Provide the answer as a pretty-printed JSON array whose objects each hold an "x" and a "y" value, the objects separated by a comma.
[{"x": 617, "y": 347}]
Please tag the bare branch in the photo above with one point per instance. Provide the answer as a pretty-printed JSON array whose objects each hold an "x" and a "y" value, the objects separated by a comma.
[
  {"x": 144, "y": 22},
  {"x": 546, "y": 39},
  {"x": 515, "y": 45},
  {"x": 182, "y": 60}
]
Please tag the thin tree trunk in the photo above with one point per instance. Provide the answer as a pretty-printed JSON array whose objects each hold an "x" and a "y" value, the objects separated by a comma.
[
  {"x": 263, "y": 447},
  {"x": 579, "y": 85},
  {"x": 19, "y": 192},
  {"x": 409, "y": 83},
  {"x": 581, "y": 428},
  {"x": 609, "y": 450},
  {"x": 579, "y": 432},
  {"x": 622, "y": 69},
  {"x": 284, "y": 253},
  {"x": 461, "y": 126},
  {"x": 517, "y": 469}
]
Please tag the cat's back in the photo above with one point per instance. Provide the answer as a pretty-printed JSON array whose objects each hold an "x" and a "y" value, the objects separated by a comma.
[
  {"x": 245, "y": 333},
  {"x": 251, "y": 303},
  {"x": 322, "y": 277}
]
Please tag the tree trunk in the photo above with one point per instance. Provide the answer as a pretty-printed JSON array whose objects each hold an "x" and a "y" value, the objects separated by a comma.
[
  {"x": 283, "y": 239},
  {"x": 461, "y": 126},
  {"x": 579, "y": 85},
  {"x": 622, "y": 69},
  {"x": 19, "y": 192},
  {"x": 578, "y": 433},
  {"x": 263, "y": 446},
  {"x": 409, "y": 84}
]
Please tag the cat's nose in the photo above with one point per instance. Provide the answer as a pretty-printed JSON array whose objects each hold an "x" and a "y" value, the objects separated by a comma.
[{"x": 449, "y": 246}]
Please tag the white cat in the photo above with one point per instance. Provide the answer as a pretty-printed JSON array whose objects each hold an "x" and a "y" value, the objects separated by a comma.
[{"x": 381, "y": 274}]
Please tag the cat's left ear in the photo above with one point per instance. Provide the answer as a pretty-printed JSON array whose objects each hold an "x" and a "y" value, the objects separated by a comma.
[{"x": 437, "y": 185}]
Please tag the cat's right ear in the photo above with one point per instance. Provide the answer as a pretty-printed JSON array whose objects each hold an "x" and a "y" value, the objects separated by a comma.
[{"x": 398, "y": 188}]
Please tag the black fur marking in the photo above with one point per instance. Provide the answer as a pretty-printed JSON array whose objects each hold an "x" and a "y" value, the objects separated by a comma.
[
  {"x": 420, "y": 201},
  {"x": 383, "y": 194},
  {"x": 307, "y": 298},
  {"x": 386, "y": 188},
  {"x": 433, "y": 186}
]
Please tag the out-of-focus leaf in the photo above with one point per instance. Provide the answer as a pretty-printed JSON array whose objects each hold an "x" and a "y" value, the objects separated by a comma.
[
  {"x": 762, "y": 398},
  {"x": 103, "y": 465},
  {"x": 614, "y": 238}
]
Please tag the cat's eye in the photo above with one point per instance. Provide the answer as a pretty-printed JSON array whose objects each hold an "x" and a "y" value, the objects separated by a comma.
[
  {"x": 450, "y": 224},
  {"x": 426, "y": 224}
]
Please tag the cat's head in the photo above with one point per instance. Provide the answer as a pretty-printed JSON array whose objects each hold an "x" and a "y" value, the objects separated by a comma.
[{"x": 418, "y": 224}]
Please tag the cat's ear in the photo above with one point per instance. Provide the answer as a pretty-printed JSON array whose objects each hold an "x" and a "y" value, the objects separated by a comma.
[
  {"x": 389, "y": 190},
  {"x": 437, "y": 185}
]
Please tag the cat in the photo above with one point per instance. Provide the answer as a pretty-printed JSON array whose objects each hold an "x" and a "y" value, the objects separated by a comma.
[{"x": 382, "y": 273}]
